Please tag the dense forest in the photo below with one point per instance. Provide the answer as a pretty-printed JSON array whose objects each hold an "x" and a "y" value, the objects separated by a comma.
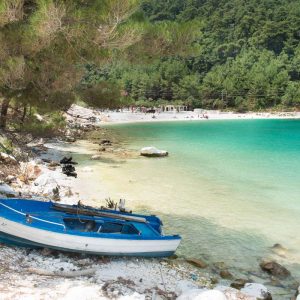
[{"x": 218, "y": 54}]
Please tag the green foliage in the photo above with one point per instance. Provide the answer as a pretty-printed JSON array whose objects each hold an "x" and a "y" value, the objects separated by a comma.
[
  {"x": 53, "y": 125},
  {"x": 215, "y": 54}
]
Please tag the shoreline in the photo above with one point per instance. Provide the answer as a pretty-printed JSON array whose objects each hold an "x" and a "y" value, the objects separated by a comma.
[
  {"x": 127, "y": 117},
  {"x": 109, "y": 281}
]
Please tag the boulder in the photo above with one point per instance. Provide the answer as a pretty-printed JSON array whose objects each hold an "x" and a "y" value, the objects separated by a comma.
[
  {"x": 197, "y": 262},
  {"x": 275, "y": 269},
  {"x": 256, "y": 290},
  {"x": 153, "y": 152},
  {"x": 6, "y": 190}
]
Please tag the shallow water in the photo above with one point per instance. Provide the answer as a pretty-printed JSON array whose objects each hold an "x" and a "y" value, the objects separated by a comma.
[{"x": 230, "y": 188}]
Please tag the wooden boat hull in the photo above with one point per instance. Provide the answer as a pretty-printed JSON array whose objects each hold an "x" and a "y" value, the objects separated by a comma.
[
  {"x": 22, "y": 235},
  {"x": 15, "y": 229}
]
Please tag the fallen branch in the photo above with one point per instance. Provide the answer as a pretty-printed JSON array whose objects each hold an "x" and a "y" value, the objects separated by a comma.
[{"x": 69, "y": 274}]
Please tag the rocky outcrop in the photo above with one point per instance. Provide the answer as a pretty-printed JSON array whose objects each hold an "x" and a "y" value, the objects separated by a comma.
[
  {"x": 153, "y": 152},
  {"x": 275, "y": 269}
]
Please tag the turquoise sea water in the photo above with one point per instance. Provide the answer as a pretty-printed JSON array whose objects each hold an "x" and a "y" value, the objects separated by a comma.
[{"x": 230, "y": 188}]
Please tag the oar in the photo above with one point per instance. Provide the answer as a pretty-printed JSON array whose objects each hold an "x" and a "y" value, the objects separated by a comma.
[{"x": 90, "y": 212}]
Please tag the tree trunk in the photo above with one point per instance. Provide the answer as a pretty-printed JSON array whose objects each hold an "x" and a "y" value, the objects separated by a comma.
[
  {"x": 24, "y": 114},
  {"x": 3, "y": 115}
]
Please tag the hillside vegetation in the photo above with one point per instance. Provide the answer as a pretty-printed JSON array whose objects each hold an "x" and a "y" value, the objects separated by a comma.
[
  {"x": 226, "y": 54},
  {"x": 217, "y": 54}
]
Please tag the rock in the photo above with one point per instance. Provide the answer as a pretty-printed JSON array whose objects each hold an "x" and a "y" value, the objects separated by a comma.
[
  {"x": 257, "y": 290},
  {"x": 70, "y": 139},
  {"x": 32, "y": 171},
  {"x": 102, "y": 149},
  {"x": 153, "y": 152},
  {"x": 6, "y": 190},
  {"x": 225, "y": 274},
  {"x": 197, "y": 262},
  {"x": 96, "y": 157},
  {"x": 46, "y": 160},
  {"x": 105, "y": 142},
  {"x": 68, "y": 160},
  {"x": 233, "y": 294},
  {"x": 201, "y": 294},
  {"x": 9, "y": 159},
  {"x": 10, "y": 178},
  {"x": 53, "y": 163},
  {"x": 45, "y": 185},
  {"x": 275, "y": 269},
  {"x": 279, "y": 250},
  {"x": 238, "y": 283},
  {"x": 69, "y": 170}
]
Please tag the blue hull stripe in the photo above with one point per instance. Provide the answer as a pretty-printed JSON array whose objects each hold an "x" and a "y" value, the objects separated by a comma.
[{"x": 16, "y": 241}]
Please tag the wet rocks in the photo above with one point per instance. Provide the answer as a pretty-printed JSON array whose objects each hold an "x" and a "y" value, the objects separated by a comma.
[
  {"x": 105, "y": 142},
  {"x": 153, "y": 152},
  {"x": 275, "y": 269},
  {"x": 68, "y": 168},
  {"x": 197, "y": 262},
  {"x": 225, "y": 274},
  {"x": 279, "y": 250},
  {"x": 238, "y": 283}
]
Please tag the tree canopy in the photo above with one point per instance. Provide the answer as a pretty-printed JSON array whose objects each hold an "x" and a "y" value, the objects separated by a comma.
[{"x": 227, "y": 54}]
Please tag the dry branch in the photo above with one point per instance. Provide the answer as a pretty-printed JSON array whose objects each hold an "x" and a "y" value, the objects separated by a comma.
[{"x": 68, "y": 274}]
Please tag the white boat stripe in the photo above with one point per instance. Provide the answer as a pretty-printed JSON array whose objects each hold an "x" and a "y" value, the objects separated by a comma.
[
  {"x": 87, "y": 244},
  {"x": 21, "y": 213}
]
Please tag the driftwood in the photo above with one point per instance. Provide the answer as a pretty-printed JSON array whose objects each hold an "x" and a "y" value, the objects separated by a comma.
[{"x": 69, "y": 274}]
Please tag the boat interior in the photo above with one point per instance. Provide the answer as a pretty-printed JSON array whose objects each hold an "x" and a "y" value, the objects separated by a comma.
[{"x": 100, "y": 226}]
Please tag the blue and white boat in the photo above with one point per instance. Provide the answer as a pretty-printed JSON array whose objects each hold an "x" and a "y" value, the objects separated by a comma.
[{"x": 82, "y": 229}]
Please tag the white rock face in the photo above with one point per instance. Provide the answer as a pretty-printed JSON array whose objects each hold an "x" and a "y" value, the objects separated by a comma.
[
  {"x": 153, "y": 152},
  {"x": 200, "y": 294},
  {"x": 256, "y": 290},
  {"x": 44, "y": 185}
]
